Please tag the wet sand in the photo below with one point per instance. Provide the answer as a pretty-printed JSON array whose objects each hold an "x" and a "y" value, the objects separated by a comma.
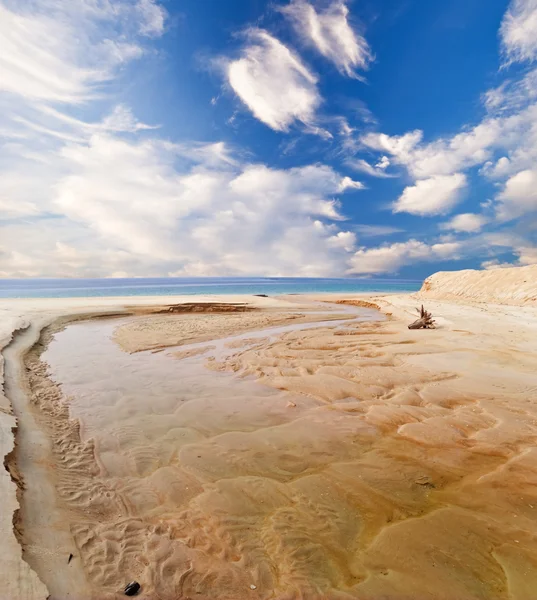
[{"x": 343, "y": 460}]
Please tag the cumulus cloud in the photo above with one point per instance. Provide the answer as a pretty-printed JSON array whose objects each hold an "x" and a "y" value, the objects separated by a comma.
[
  {"x": 519, "y": 31},
  {"x": 504, "y": 144},
  {"x": 434, "y": 196},
  {"x": 399, "y": 146},
  {"x": 526, "y": 255},
  {"x": 330, "y": 32},
  {"x": 390, "y": 258},
  {"x": 349, "y": 184},
  {"x": 496, "y": 170},
  {"x": 519, "y": 195},
  {"x": 441, "y": 157},
  {"x": 153, "y": 207},
  {"x": 465, "y": 222},
  {"x": 273, "y": 82},
  {"x": 495, "y": 264}
]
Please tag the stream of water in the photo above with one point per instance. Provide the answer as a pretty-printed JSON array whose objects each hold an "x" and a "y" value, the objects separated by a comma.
[{"x": 203, "y": 465}]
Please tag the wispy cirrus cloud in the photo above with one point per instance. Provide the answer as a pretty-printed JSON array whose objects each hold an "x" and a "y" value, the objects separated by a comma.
[
  {"x": 329, "y": 31},
  {"x": 64, "y": 52},
  {"x": 376, "y": 170},
  {"x": 273, "y": 82},
  {"x": 519, "y": 31}
]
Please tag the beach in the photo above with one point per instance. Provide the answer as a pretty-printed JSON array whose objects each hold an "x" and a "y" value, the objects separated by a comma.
[{"x": 283, "y": 447}]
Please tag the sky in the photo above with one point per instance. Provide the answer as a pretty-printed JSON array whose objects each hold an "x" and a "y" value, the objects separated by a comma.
[{"x": 305, "y": 138}]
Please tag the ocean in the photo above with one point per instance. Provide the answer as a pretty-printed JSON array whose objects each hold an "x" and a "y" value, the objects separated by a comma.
[{"x": 170, "y": 286}]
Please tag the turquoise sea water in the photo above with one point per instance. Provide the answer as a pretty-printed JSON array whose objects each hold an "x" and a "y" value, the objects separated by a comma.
[{"x": 68, "y": 288}]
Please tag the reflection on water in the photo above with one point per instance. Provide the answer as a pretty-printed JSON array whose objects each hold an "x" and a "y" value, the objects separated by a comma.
[{"x": 210, "y": 485}]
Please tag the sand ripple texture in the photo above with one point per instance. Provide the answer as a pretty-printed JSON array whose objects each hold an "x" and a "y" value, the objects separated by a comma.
[
  {"x": 374, "y": 463},
  {"x": 159, "y": 332}
]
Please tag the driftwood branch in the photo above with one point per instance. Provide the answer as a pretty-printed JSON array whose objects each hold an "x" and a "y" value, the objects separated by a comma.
[{"x": 425, "y": 321}]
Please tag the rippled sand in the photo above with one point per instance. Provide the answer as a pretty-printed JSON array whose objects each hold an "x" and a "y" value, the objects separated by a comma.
[
  {"x": 373, "y": 463},
  {"x": 160, "y": 332}
]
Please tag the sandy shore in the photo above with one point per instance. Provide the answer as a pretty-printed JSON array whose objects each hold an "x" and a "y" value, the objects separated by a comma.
[{"x": 374, "y": 462}]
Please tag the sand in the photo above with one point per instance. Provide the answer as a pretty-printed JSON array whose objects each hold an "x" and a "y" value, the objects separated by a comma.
[
  {"x": 346, "y": 460},
  {"x": 514, "y": 286},
  {"x": 160, "y": 332}
]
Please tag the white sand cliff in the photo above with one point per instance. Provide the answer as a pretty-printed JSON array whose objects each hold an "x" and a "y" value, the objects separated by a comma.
[
  {"x": 490, "y": 358},
  {"x": 514, "y": 286}
]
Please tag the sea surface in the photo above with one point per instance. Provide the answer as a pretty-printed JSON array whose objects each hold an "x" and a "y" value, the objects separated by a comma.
[{"x": 169, "y": 286}]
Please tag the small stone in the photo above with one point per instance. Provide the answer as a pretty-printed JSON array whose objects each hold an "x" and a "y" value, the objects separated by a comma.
[
  {"x": 132, "y": 588},
  {"x": 425, "y": 481},
  {"x": 253, "y": 587},
  {"x": 291, "y": 404}
]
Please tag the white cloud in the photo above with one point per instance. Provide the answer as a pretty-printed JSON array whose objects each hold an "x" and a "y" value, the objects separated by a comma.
[
  {"x": 498, "y": 169},
  {"x": 519, "y": 31},
  {"x": 441, "y": 157},
  {"x": 495, "y": 264},
  {"x": 526, "y": 255},
  {"x": 153, "y": 207},
  {"x": 511, "y": 95},
  {"x": 383, "y": 163},
  {"x": 64, "y": 51},
  {"x": 396, "y": 145},
  {"x": 505, "y": 145},
  {"x": 391, "y": 258},
  {"x": 330, "y": 32},
  {"x": 273, "y": 82},
  {"x": 153, "y": 17},
  {"x": 519, "y": 195},
  {"x": 377, "y": 170},
  {"x": 465, "y": 222},
  {"x": 349, "y": 184},
  {"x": 434, "y": 196},
  {"x": 38, "y": 59}
]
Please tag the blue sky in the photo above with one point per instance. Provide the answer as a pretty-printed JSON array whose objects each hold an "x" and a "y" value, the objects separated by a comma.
[{"x": 285, "y": 138}]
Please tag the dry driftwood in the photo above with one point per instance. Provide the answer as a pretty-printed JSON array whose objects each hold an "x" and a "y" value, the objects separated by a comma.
[{"x": 425, "y": 321}]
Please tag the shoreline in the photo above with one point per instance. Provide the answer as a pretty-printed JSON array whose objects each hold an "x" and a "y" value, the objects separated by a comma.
[{"x": 457, "y": 320}]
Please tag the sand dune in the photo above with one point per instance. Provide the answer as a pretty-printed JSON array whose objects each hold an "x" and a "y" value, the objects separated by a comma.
[{"x": 516, "y": 286}]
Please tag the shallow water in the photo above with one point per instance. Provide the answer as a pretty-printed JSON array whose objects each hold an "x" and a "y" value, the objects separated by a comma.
[
  {"x": 198, "y": 460},
  {"x": 211, "y": 485}
]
